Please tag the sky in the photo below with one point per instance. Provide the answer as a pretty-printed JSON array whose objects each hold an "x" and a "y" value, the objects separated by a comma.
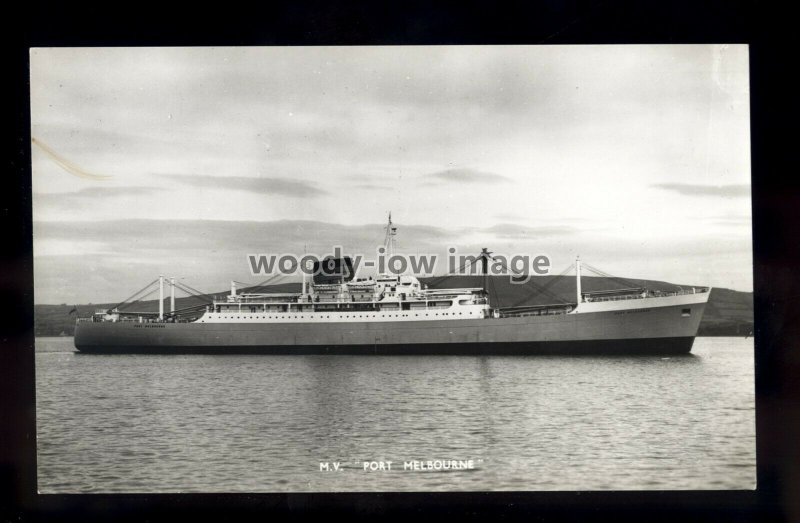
[{"x": 182, "y": 161}]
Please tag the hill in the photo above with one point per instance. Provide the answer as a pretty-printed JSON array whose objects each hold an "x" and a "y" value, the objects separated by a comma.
[{"x": 729, "y": 312}]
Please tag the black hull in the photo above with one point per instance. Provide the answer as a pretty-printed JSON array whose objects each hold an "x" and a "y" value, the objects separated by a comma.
[{"x": 640, "y": 346}]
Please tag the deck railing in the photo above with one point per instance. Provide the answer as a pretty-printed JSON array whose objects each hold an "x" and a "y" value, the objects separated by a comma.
[{"x": 644, "y": 295}]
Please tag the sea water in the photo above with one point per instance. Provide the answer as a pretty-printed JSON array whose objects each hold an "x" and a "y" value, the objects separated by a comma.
[{"x": 211, "y": 423}]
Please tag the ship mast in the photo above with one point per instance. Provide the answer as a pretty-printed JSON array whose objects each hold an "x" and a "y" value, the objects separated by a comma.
[
  {"x": 303, "y": 270},
  {"x": 578, "y": 279},
  {"x": 388, "y": 241},
  {"x": 160, "y": 297},
  {"x": 172, "y": 295},
  {"x": 485, "y": 255}
]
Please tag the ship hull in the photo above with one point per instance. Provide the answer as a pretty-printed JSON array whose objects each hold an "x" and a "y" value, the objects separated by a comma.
[
  {"x": 630, "y": 329},
  {"x": 643, "y": 346}
]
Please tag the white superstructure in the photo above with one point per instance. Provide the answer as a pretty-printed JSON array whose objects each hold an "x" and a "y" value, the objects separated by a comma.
[{"x": 384, "y": 298}]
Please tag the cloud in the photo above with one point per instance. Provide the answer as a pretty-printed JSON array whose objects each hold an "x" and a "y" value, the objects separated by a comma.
[
  {"x": 372, "y": 187},
  {"x": 744, "y": 224},
  {"x": 467, "y": 176},
  {"x": 266, "y": 185},
  {"x": 422, "y": 121},
  {"x": 688, "y": 189},
  {"x": 512, "y": 231},
  {"x": 207, "y": 252},
  {"x": 88, "y": 195},
  {"x": 130, "y": 236},
  {"x": 727, "y": 220},
  {"x": 119, "y": 256},
  {"x": 508, "y": 216},
  {"x": 104, "y": 192}
]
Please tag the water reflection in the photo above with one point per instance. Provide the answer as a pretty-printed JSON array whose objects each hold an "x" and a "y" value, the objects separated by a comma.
[{"x": 264, "y": 423}]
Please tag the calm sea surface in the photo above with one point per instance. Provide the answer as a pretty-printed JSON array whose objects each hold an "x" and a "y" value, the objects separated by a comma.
[{"x": 265, "y": 423}]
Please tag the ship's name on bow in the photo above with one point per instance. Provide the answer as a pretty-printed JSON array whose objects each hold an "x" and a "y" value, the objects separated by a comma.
[{"x": 632, "y": 311}]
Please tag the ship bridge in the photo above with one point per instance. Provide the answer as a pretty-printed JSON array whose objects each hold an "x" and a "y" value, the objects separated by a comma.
[{"x": 380, "y": 298}]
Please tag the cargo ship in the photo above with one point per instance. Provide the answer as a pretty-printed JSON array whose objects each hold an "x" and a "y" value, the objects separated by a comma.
[{"x": 336, "y": 313}]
